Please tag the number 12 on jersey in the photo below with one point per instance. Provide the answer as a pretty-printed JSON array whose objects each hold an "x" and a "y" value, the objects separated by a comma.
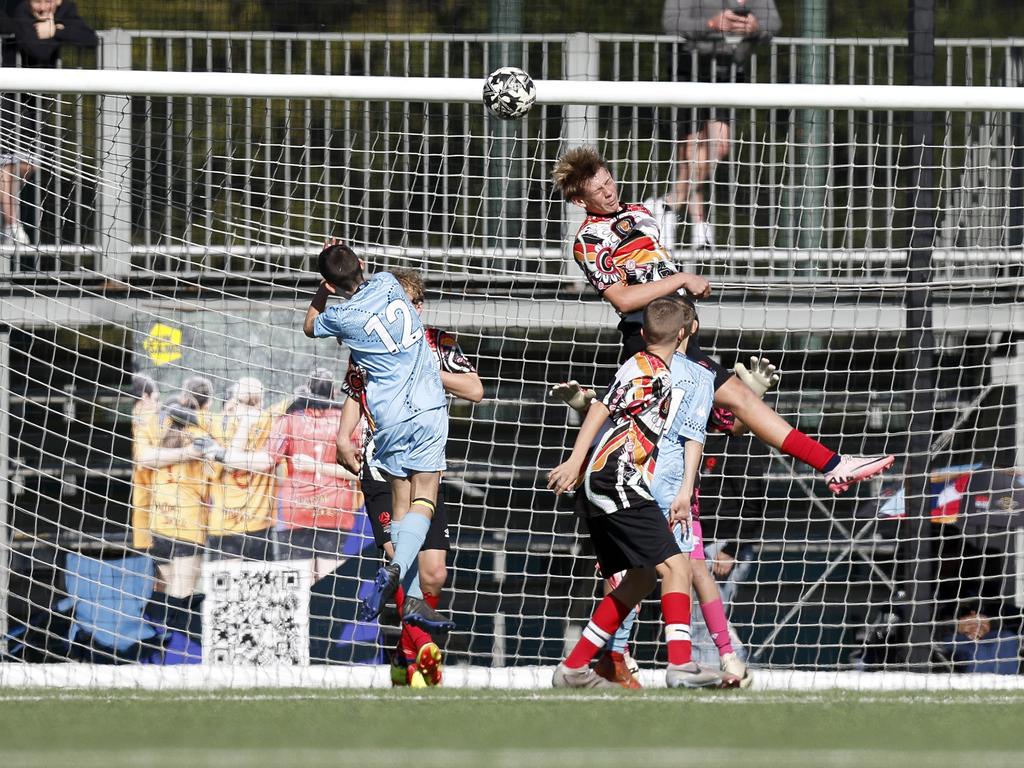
[{"x": 409, "y": 335}]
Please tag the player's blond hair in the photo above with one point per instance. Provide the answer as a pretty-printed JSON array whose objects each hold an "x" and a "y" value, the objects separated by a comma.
[
  {"x": 574, "y": 169},
  {"x": 412, "y": 282}
]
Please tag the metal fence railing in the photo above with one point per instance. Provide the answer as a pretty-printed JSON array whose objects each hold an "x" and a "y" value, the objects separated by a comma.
[{"x": 200, "y": 184}]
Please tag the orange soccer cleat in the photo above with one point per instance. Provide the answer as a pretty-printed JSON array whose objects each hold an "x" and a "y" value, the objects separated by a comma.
[{"x": 612, "y": 666}]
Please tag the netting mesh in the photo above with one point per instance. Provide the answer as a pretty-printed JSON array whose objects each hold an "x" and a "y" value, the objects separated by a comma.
[{"x": 176, "y": 237}]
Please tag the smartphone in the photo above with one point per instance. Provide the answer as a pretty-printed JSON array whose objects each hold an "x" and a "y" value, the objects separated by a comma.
[{"x": 741, "y": 10}]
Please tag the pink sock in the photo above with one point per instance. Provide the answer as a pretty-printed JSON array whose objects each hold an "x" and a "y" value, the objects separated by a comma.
[{"x": 717, "y": 624}]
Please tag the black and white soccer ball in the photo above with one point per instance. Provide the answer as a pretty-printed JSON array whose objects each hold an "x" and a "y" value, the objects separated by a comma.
[{"x": 509, "y": 93}]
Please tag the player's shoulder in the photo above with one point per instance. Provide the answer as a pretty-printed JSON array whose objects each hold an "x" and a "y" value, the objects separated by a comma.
[
  {"x": 644, "y": 364},
  {"x": 683, "y": 368}
]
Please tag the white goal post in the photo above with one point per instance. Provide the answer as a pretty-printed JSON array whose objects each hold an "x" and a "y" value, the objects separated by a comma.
[{"x": 172, "y": 222}]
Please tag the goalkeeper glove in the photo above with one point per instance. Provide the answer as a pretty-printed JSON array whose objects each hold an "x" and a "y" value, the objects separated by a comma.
[
  {"x": 761, "y": 377},
  {"x": 572, "y": 394},
  {"x": 210, "y": 449}
]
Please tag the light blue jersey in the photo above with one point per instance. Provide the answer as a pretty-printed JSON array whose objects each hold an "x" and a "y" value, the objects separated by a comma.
[
  {"x": 385, "y": 335},
  {"x": 693, "y": 390}
]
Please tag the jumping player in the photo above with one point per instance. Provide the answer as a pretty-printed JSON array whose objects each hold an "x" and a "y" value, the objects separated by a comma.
[
  {"x": 404, "y": 397},
  {"x": 626, "y": 527},
  {"x": 619, "y": 251},
  {"x": 417, "y": 659}
]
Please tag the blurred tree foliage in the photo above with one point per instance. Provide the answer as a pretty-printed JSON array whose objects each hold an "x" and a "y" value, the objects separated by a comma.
[{"x": 866, "y": 18}]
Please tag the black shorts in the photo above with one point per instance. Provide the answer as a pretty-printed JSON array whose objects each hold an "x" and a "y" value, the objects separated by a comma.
[
  {"x": 633, "y": 342},
  {"x": 252, "y": 545},
  {"x": 635, "y": 537},
  {"x": 164, "y": 549},
  {"x": 307, "y": 543},
  {"x": 377, "y": 498}
]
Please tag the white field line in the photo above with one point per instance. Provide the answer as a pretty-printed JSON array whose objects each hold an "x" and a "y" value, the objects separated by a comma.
[
  {"x": 670, "y": 757},
  {"x": 690, "y": 698}
]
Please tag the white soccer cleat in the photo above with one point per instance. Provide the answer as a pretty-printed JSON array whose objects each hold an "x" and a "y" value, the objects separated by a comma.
[
  {"x": 692, "y": 675},
  {"x": 584, "y": 677},
  {"x": 853, "y": 469},
  {"x": 734, "y": 666},
  {"x": 17, "y": 236},
  {"x": 666, "y": 219},
  {"x": 702, "y": 235}
]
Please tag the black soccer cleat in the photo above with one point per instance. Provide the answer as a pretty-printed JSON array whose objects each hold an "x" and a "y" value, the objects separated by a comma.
[
  {"x": 417, "y": 612},
  {"x": 384, "y": 586}
]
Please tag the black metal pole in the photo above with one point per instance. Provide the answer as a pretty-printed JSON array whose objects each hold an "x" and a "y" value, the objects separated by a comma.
[{"x": 919, "y": 352}]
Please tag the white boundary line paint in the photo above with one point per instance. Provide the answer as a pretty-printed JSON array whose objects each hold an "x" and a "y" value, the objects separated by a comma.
[
  {"x": 198, "y": 677},
  {"x": 668, "y": 757},
  {"x": 656, "y": 696}
]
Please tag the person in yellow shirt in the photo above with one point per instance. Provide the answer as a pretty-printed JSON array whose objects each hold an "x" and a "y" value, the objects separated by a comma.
[
  {"x": 178, "y": 509},
  {"x": 243, "y": 499},
  {"x": 145, "y": 434}
]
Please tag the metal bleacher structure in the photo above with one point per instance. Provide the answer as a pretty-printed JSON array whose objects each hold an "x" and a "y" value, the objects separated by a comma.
[{"x": 96, "y": 242}]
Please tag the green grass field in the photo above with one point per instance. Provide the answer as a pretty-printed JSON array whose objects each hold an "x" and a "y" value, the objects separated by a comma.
[{"x": 646, "y": 729}]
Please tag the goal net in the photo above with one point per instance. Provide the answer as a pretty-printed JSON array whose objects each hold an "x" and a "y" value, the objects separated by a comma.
[{"x": 160, "y": 241}]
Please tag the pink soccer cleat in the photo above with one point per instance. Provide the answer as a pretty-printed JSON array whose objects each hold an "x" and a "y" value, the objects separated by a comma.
[{"x": 853, "y": 469}]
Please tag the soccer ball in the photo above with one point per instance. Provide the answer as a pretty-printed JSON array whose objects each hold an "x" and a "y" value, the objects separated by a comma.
[{"x": 509, "y": 93}]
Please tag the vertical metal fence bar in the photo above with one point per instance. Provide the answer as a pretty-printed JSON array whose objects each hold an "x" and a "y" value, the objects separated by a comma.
[
  {"x": 147, "y": 156},
  {"x": 5, "y": 468},
  {"x": 208, "y": 164},
  {"x": 114, "y": 215}
]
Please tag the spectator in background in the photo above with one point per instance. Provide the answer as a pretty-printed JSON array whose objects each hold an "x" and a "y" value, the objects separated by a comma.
[
  {"x": 977, "y": 646},
  {"x": 178, "y": 511},
  {"x": 243, "y": 493},
  {"x": 145, "y": 435},
  {"x": 720, "y": 37},
  {"x": 40, "y": 27},
  {"x": 319, "y": 497}
]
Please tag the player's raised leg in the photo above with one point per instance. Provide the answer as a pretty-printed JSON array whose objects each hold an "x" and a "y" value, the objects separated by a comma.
[{"x": 841, "y": 471}]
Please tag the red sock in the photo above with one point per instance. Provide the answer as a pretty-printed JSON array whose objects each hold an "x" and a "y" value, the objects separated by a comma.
[
  {"x": 675, "y": 610},
  {"x": 800, "y": 446},
  {"x": 414, "y": 638},
  {"x": 606, "y": 619}
]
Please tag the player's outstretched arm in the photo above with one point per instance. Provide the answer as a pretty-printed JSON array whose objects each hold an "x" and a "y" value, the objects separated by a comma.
[
  {"x": 633, "y": 298},
  {"x": 348, "y": 453},
  {"x": 563, "y": 477},
  {"x": 465, "y": 386},
  {"x": 316, "y": 307}
]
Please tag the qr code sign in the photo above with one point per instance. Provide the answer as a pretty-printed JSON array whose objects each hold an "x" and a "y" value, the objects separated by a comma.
[{"x": 256, "y": 613}]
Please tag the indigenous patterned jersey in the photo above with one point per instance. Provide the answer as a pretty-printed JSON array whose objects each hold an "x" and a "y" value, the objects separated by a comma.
[
  {"x": 450, "y": 359},
  {"x": 242, "y": 501},
  {"x": 623, "y": 247},
  {"x": 311, "y": 498},
  {"x": 619, "y": 472},
  {"x": 385, "y": 335}
]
